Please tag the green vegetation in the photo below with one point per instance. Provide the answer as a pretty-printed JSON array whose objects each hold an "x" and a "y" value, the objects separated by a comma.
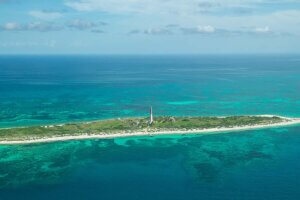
[{"x": 129, "y": 125}]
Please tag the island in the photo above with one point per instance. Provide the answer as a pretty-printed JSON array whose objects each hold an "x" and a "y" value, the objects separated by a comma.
[{"x": 140, "y": 126}]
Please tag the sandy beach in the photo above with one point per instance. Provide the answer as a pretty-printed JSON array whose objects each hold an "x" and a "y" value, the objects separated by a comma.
[{"x": 290, "y": 121}]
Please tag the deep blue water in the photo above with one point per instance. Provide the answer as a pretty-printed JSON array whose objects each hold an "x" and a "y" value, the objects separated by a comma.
[
  {"x": 260, "y": 164},
  {"x": 49, "y": 89}
]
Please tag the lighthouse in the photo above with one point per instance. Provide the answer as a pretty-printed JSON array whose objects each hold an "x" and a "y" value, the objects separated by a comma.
[{"x": 151, "y": 116}]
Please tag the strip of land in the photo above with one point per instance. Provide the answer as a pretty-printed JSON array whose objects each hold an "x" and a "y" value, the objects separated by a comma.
[{"x": 127, "y": 127}]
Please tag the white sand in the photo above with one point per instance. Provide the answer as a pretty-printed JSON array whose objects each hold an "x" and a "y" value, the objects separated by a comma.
[{"x": 290, "y": 121}]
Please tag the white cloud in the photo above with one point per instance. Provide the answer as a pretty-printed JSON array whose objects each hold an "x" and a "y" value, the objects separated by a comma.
[
  {"x": 81, "y": 24},
  {"x": 232, "y": 32},
  {"x": 43, "y": 27},
  {"x": 170, "y": 6},
  {"x": 11, "y": 26},
  {"x": 157, "y": 31},
  {"x": 84, "y": 24},
  {"x": 206, "y": 29},
  {"x": 265, "y": 29},
  {"x": 152, "y": 31},
  {"x": 31, "y": 26},
  {"x": 48, "y": 16},
  {"x": 224, "y": 14},
  {"x": 136, "y": 6}
]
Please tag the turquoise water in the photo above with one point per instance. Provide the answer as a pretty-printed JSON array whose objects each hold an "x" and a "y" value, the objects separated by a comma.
[
  {"x": 57, "y": 89},
  {"x": 260, "y": 164}
]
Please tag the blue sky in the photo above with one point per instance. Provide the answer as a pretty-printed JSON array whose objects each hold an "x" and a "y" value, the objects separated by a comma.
[{"x": 149, "y": 26}]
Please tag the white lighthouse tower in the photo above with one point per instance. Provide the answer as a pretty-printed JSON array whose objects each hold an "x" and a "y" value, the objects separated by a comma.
[{"x": 151, "y": 116}]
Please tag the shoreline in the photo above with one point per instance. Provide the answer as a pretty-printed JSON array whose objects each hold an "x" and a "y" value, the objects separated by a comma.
[{"x": 291, "y": 121}]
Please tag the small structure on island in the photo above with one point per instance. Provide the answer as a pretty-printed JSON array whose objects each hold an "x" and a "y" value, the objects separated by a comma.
[{"x": 151, "y": 116}]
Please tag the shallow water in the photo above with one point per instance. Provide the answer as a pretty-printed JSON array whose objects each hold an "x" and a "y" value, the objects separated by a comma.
[
  {"x": 256, "y": 164},
  {"x": 262, "y": 164}
]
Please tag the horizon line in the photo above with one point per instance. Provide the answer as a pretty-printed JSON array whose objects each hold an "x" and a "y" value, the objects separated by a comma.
[{"x": 144, "y": 54}]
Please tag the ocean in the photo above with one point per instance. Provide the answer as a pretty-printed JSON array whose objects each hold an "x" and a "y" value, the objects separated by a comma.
[{"x": 256, "y": 164}]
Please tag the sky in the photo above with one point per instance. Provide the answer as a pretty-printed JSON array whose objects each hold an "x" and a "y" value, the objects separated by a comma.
[{"x": 149, "y": 26}]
